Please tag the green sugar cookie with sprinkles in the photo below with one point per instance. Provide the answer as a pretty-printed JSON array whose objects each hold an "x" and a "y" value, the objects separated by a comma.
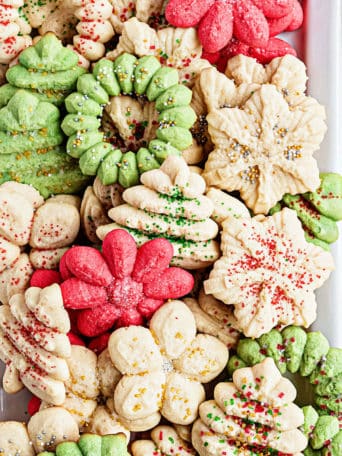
[
  {"x": 126, "y": 117},
  {"x": 308, "y": 355}
]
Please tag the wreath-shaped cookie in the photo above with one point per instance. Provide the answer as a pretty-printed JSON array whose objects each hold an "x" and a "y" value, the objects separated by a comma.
[
  {"x": 308, "y": 355},
  {"x": 146, "y": 133}
]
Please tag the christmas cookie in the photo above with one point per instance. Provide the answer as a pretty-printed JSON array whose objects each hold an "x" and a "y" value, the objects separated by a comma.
[
  {"x": 14, "y": 30},
  {"x": 253, "y": 414},
  {"x": 305, "y": 353},
  {"x": 14, "y": 439},
  {"x": 165, "y": 441},
  {"x": 170, "y": 203},
  {"x": 92, "y": 445},
  {"x": 34, "y": 344},
  {"x": 268, "y": 272},
  {"x": 319, "y": 211},
  {"x": 51, "y": 426},
  {"x": 263, "y": 148},
  {"x": 145, "y": 133},
  {"x": 82, "y": 387},
  {"x": 123, "y": 285},
  {"x": 47, "y": 69},
  {"x": 214, "y": 318},
  {"x": 149, "y": 11},
  {"x": 164, "y": 367},
  {"x": 251, "y": 22},
  {"x": 46, "y": 228},
  {"x": 30, "y": 151}
]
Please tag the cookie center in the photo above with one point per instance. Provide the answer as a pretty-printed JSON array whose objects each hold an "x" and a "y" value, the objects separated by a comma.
[
  {"x": 125, "y": 293},
  {"x": 167, "y": 365},
  {"x": 129, "y": 122}
]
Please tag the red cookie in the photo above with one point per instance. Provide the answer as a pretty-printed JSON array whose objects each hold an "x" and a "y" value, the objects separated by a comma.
[
  {"x": 75, "y": 340},
  {"x": 186, "y": 13},
  {"x": 98, "y": 344},
  {"x": 250, "y": 24},
  {"x": 279, "y": 24},
  {"x": 122, "y": 286},
  {"x": 216, "y": 27},
  {"x": 297, "y": 17},
  {"x": 44, "y": 277},
  {"x": 33, "y": 405},
  {"x": 274, "y": 8}
]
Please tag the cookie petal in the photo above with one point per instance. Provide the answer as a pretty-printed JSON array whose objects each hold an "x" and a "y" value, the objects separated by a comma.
[
  {"x": 172, "y": 284},
  {"x": 152, "y": 259},
  {"x": 88, "y": 265},
  {"x": 81, "y": 295},
  {"x": 119, "y": 250},
  {"x": 92, "y": 322}
]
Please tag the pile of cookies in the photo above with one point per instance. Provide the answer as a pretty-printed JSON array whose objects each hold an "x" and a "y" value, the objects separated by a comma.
[{"x": 163, "y": 229}]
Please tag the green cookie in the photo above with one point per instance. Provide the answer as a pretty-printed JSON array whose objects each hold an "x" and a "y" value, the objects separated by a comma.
[
  {"x": 164, "y": 78},
  {"x": 175, "y": 96},
  {"x": 143, "y": 73},
  {"x": 124, "y": 67}
]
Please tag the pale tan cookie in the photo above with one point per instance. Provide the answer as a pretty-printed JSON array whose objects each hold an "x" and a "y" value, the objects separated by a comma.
[
  {"x": 92, "y": 214},
  {"x": 165, "y": 441},
  {"x": 105, "y": 421},
  {"x": 49, "y": 427},
  {"x": 14, "y": 31},
  {"x": 82, "y": 387},
  {"x": 109, "y": 195},
  {"x": 94, "y": 28},
  {"x": 46, "y": 227},
  {"x": 171, "y": 202},
  {"x": 264, "y": 149},
  {"x": 269, "y": 272},
  {"x": 164, "y": 367},
  {"x": 108, "y": 375},
  {"x": 214, "y": 318},
  {"x": 33, "y": 341},
  {"x": 258, "y": 400},
  {"x": 226, "y": 206},
  {"x": 14, "y": 439},
  {"x": 149, "y": 11}
]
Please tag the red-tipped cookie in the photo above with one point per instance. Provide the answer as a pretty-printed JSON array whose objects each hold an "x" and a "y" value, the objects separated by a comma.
[{"x": 135, "y": 282}]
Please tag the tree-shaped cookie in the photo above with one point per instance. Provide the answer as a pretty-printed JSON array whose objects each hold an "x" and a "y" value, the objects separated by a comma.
[
  {"x": 47, "y": 69},
  {"x": 253, "y": 414},
  {"x": 30, "y": 151},
  {"x": 170, "y": 203},
  {"x": 33, "y": 343}
]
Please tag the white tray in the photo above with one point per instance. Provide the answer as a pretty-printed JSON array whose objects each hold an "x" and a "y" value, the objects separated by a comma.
[{"x": 319, "y": 44}]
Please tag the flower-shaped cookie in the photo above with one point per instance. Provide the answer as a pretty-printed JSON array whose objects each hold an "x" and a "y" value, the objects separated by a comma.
[
  {"x": 47, "y": 228},
  {"x": 34, "y": 344},
  {"x": 264, "y": 149},
  {"x": 123, "y": 284},
  {"x": 164, "y": 367},
  {"x": 269, "y": 272},
  {"x": 172, "y": 204},
  {"x": 82, "y": 387},
  {"x": 165, "y": 441},
  {"x": 254, "y": 414},
  {"x": 175, "y": 47},
  {"x": 214, "y": 318},
  {"x": 251, "y": 21}
]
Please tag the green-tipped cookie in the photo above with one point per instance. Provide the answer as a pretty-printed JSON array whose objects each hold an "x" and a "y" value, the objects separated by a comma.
[
  {"x": 47, "y": 69},
  {"x": 318, "y": 211},
  {"x": 30, "y": 151},
  {"x": 144, "y": 79},
  {"x": 92, "y": 445}
]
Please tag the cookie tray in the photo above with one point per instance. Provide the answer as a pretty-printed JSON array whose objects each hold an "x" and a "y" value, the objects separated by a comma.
[{"x": 318, "y": 43}]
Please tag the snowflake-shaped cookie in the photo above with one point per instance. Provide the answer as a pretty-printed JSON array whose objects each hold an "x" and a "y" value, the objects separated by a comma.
[
  {"x": 269, "y": 272},
  {"x": 264, "y": 149},
  {"x": 164, "y": 367}
]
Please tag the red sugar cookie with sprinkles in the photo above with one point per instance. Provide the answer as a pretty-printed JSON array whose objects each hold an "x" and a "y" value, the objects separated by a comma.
[{"x": 123, "y": 285}]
